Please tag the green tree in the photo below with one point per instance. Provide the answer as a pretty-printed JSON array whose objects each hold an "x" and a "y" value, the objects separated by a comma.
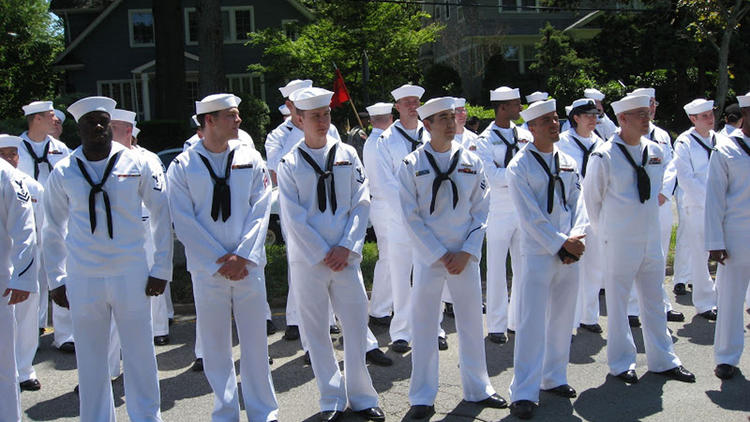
[{"x": 29, "y": 41}]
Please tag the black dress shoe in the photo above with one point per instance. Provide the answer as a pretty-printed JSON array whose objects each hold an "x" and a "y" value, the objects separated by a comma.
[
  {"x": 442, "y": 343},
  {"x": 330, "y": 415},
  {"x": 629, "y": 376},
  {"x": 161, "y": 340},
  {"x": 270, "y": 327},
  {"x": 400, "y": 346},
  {"x": 725, "y": 371},
  {"x": 377, "y": 357},
  {"x": 522, "y": 409},
  {"x": 709, "y": 315},
  {"x": 498, "y": 338},
  {"x": 372, "y": 414},
  {"x": 382, "y": 321},
  {"x": 674, "y": 316},
  {"x": 171, "y": 321},
  {"x": 31, "y": 385},
  {"x": 421, "y": 411},
  {"x": 601, "y": 292},
  {"x": 449, "y": 310},
  {"x": 334, "y": 329},
  {"x": 634, "y": 321},
  {"x": 511, "y": 332},
  {"x": 307, "y": 359},
  {"x": 494, "y": 401},
  {"x": 564, "y": 390},
  {"x": 41, "y": 331},
  {"x": 291, "y": 332},
  {"x": 679, "y": 373},
  {"x": 594, "y": 328},
  {"x": 270, "y": 360},
  {"x": 197, "y": 365},
  {"x": 68, "y": 347},
  {"x": 679, "y": 289}
]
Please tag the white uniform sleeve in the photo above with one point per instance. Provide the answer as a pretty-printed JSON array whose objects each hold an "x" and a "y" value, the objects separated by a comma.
[
  {"x": 595, "y": 188},
  {"x": 579, "y": 218},
  {"x": 56, "y": 211},
  {"x": 252, "y": 245},
  {"x": 480, "y": 206},
  {"x": 536, "y": 221},
  {"x": 496, "y": 175},
  {"x": 190, "y": 232},
  {"x": 693, "y": 186},
  {"x": 273, "y": 149},
  {"x": 424, "y": 241},
  {"x": 294, "y": 218},
  {"x": 20, "y": 227},
  {"x": 354, "y": 233},
  {"x": 388, "y": 177},
  {"x": 716, "y": 201},
  {"x": 155, "y": 199}
]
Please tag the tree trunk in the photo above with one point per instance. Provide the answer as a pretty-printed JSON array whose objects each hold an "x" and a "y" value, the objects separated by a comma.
[
  {"x": 210, "y": 47},
  {"x": 169, "y": 84},
  {"x": 723, "y": 70}
]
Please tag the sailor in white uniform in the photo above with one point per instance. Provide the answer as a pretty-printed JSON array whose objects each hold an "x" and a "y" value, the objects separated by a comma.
[
  {"x": 620, "y": 190},
  {"x": 17, "y": 278},
  {"x": 444, "y": 204},
  {"x": 464, "y": 136},
  {"x": 532, "y": 98},
  {"x": 224, "y": 243},
  {"x": 727, "y": 232},
  {"x": 27, "y": 312},
  {"x": 545, "y": 189},
  {"x": 38, "y": 154},
  {"x": 496, "y": 146},
  {"x": 94, "y": 255},
  {"x": 692, "y": 151}
]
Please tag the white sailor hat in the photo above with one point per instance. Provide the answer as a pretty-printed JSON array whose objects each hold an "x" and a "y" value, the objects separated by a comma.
[
  {"x": 60, "y": 115},
  {"x": 744, "y": 100},
  {"x": 583, "y": 105},
  {"x": 194, "y": 121},
  {"x": 294, "y": 85},
  {"x": 86, "y": 105},
  {"x": 568, "y": 109},
  {"x": 436, "y": 105},
  {"x": 630, "y": 102},
  {"x": 593, "y": 93},
  {"x": 538, "y": 109},
  {"x": 459, "y": 102},
  {"x": 311, "y": 98},
  {"x": 536, "y": 96},
  {"x": 37, "y": 107},
  {"x": 697, "y": 106},
  {"x": 136, "y": 131},
  {"x": 407, "y": 91},
  {"x": 216, "y": 102},
  {"x": 10, "y": 141},
  {"x": 504, "y": 93},
  {"x": 123, "y": 116},
  {"x": 380, "y": 109},
  {"x": 284, "y": 110},
  {"x": 651, "y": 92}
]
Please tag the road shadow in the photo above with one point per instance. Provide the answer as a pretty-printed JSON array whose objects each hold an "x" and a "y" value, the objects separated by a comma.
[
  {"x": 551, "y": 408},
  {"x": 698, "y": 331},
  {"x": 613, "y": 400},
  {"x": 499, "y": 356},
  {"x": 46, "y": 352},
  {"x": 64, "y": 406},
  {"x": 585, "y": 345},
  {"x": 733, "y": 394},
  {"x": 186, "y": 385}
]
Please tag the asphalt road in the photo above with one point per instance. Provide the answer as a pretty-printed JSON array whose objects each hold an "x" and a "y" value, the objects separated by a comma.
[{"x": 186, "y": 395}]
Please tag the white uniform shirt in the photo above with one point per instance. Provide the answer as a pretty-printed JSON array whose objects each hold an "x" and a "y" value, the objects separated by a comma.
[
  {"x": 467, "y": 139},
  {"x": 447, "y": 229},
  {"x": 544, "y": 233},
  {"x": 568, "y": 145},
  {"x": 66, "y": 210},
  {"x": 611, "y": 195},
  {"x": 370, "y": 161},
  {"x": 728, "y": 192},
  {"x": 57, "y": 152},
  {"x": 314, "y": 233},
  {"x": 190, "y": 199},
  {"x": 17, "y": 234},
  {"x": 728, "y": 129},
  {"x": 691, "y": 164},
  {"x": 243, "y": 137},
  {"x": 661, "y": 137},
  {"x": 605, "y": 128},
  {"x": 285, "y": 137},
  {"x": 491, "y": 150}
]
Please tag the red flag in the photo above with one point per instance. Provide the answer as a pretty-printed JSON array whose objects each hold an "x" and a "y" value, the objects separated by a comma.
[{"x": 340, "y": 93}]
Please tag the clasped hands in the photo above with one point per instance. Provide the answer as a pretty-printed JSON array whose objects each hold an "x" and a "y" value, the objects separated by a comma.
[{"x": 572, "y": 250}]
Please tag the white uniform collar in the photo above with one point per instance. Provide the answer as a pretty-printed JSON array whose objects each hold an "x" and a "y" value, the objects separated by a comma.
[
  {"x": 116, "y": 147},
  {"x": 399, "y": 124}
]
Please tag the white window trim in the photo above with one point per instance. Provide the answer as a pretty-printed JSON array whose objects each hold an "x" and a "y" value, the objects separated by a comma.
[
  {"x": 134, "y": 94},
  {"x": 232, "y": 24},
  {"x": 259, "y": 75},
  {"x": 284, "y": 22},
  {"x": 517, "y": 9},
  {"x": 131, "y": 12},
  {"x": 460, "y": 14},
  {"x": 447, "y": 11}
]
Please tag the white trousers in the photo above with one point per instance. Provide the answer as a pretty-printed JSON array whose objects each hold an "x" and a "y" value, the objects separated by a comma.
[
  {"x": 732, "y": 280},
  {"x": 400, "y": 261},
  {"x": 93, "y": 303},
  {"x": 591, "y": 280},
  {"x": 466, "y": 292},
  {"x": 681, "y": 263},
  {"x": 43, "y": 300},
  {"x": 381, "y": 299},
  {"x": 548, "y": 290},
  {"x": 10, "y": 394},
  {"x": 319, "y": 285},
  {"x": 217, "y": 299},
  {"x": 27, "y": 336},
  {"x": 160, "y": 312},
  {"x": 643, "y": 264},
  {"x": 502, "y": 235},
  {"x": 704, "y": 291}
]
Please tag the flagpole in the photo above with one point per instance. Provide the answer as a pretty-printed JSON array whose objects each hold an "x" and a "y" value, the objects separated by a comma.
[{"x": 356, "y": 114}]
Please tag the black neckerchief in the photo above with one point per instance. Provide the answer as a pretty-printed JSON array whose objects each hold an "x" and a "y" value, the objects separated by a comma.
[
  {"x": 598, "y": 134},
  {"x": 586, "y": 153},
  {"x": 441, "y": 177},
  {"x": 708, "y": 149},
  {"x": 552, "y": 178},
  {"x": 643, "y": 181},
  {"x": 222, "y": 196},
  {"x": 742, "y": 144},
  {"x": 322, "y": 176},
  {"x": 415, "y": 143},
  {"x": 96, "y": 188},
  {"x": 510, "y": 148},
  {"x": 38, "y": 160}
]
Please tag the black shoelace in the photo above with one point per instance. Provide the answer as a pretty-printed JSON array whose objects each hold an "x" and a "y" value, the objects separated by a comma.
[
  {"x": 96, "y": 188},
  {"x": 441, "y": 177},
  {"x": 222, "y": 196},
  {"x": 322, "y": 176}
]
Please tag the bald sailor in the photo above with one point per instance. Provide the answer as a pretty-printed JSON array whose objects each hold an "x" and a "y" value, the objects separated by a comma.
[
  {"x": 620, "y": 190},
  {"x": 38, "y": 154},
  {"x": 92, "y": 210},
  {"x": 17, "y": 278},
  {"x": 545, "y": 188}
]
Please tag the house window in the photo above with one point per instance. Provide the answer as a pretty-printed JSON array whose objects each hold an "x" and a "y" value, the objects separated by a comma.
[
  {"x": 125, "y": 91},
  {"x": 141, "y": 23},
  {"x": 528, "y": 6},
  {"x": 510, "y": 53},
  {"x": 290, "y": 28},
  {"x": 247, "y": 83},
  {"x": 447, "y": 10},
  {"x": 236, "y": 22},
  {"x": 460, "y": 13}
]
